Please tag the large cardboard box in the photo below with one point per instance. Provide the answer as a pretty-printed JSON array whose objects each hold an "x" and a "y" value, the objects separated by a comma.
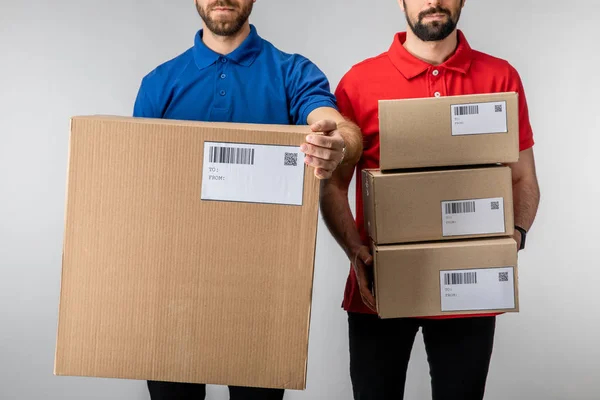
[
  {"x": 446, "y": 278},
  {"x": 449, "y": 131},
  {"x": 188, "y": 253},
  {"x": 438, "y": 204}
]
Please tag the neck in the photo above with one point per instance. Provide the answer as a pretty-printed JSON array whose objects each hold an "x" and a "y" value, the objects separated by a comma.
[
  {"x": 225, "y": 44},
  {"x": 434, "y": 53}
]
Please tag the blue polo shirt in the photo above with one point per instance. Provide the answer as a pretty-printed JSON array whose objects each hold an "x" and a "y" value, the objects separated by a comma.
[{"x": 256, "y": 83}]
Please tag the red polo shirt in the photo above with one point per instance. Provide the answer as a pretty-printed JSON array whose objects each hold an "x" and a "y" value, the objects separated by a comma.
[{"x": 397, "y": 74}]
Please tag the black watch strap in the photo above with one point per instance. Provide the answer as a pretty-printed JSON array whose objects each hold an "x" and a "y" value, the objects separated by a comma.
[{"x": 523, "y": 236}]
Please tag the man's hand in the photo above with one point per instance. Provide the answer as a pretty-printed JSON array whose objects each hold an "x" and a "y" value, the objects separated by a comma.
[
  {"x": 362, "y": 262},
  {"x": 325, "y": 151}
]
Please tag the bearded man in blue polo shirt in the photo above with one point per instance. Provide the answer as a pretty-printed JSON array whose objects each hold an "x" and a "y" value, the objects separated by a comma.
[{"x": 231, "y": 74}]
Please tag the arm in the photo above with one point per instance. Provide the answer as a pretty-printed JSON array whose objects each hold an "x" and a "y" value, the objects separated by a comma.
[
  {"x": 526, "y": 192},
  {"x": 340, "y": 222},
  {"x": 143, "y": 107},
  {"x": 335, "y": 208},
  {"x": 311, "y": 102}
]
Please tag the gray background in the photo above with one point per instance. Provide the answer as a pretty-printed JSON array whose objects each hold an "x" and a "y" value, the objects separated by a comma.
[{"x": 72, "y": 57}]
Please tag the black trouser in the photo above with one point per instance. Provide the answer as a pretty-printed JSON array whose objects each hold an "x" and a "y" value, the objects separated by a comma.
[
  {"x": 458, "y": 351},
  {"x": 190, "y": 391}
]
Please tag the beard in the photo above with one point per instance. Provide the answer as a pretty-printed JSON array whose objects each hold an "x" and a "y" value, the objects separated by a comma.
[
  {"x": 221, "y": 26},
  {"x": 436, "y": 30}
]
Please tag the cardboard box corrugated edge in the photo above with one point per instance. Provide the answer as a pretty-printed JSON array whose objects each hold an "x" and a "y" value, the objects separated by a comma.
[
  {"x": 517, "y": 308},
  {"x": 56, "y": 371},
  {"x": 375, "y": 253},
  {"x": 460, "y": 98},
  {"x": 247, "y": 126},
  {"x": 369, "y": 206},
  {"x": 309, "y": 316},
  {"x": 509, "y": 205}
]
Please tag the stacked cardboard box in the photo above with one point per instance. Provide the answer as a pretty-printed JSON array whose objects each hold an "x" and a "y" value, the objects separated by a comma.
[{"x": 439, "y": 211}]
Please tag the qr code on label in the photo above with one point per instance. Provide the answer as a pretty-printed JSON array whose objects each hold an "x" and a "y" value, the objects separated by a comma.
[
  {"x": 291, "y": 159},
  {"x": 503, "y": 276},
  {"x": 498, "y": 107},
  {"x": 495, "y": 205}
]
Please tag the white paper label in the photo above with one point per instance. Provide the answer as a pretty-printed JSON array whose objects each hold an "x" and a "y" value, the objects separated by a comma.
[
  {"x": 478, "y": 289},
  {"x": 479, "y": 118},
  {"x": 473, "y": 217},
  {"x": 253, "y": 173}
]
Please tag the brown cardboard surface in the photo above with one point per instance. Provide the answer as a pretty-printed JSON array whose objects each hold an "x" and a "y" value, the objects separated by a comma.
[
  {"x": 417, "y": 133},
  {"x": 407, "y": 206},
  {"x": 158, "y": 284},
  {"x": 407, "y": 277}
]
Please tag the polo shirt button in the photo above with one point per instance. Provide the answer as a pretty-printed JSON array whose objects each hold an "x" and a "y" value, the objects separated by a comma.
[
  {"x": 223, "y": 60},
  {"x": 223, "y": 76},
  {"x": 435, "y": 72},
  {"x": 437, "y": 94},
  {"x": 222, "y": 93}
]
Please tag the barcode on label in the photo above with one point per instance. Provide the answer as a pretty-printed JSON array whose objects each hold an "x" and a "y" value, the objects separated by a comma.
[
  {"x": 466, "y": 110},
  {"x": 498, "y": 108},
  {"x": 495, "y": 205},
  {"x": 460, "y": 207},
  {"x": 231, "y": 155},
  {"x": 460, "y": 278},
  {"x": 503, "y": 276}
]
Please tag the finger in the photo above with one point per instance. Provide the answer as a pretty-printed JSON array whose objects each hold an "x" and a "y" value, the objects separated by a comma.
[
  {"x": 364, "y": 285},
  {"x": 322, "y": 174},
  {"x": 316, "y": 162},
  {"x": 323, "y": 126},
  {"x": 366, "y": 257},
  {"x": 364, "y": 288},
  {"x": 368, "y": 299},
  {"x": 329, "y": 142},
  {"x": 321, "y": 152}
]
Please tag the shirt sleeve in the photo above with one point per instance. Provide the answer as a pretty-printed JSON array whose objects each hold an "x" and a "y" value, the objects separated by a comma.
[
  {"x": 343, "y": 100},
  {"x": 307, "y": 89},
  {"x": 143, "y": 106},
  {"x": 525, "y": 131}
]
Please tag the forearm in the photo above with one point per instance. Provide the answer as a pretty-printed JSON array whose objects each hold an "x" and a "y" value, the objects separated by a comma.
[
  {"x": 354, "y": 141},
  {"x": 526, "y": 197},
  {"x": 338, "y": 218}
]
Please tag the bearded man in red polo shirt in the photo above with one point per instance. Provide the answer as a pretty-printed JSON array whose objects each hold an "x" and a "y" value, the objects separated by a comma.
[{"x": 433, "y": 58}]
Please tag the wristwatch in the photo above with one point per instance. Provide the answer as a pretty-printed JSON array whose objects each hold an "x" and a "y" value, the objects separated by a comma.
[{"x": 523, "y": 236}]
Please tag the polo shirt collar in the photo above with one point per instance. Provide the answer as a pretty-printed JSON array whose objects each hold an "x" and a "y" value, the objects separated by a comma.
[
  {"x": 410, "y": 66},
  {"x": 244, "y": 55}
]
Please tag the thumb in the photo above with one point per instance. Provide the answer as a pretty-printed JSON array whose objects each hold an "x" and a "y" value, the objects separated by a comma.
[
  {"x": 325, "y": 126},
  {"x": 365, "y": 256}
]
